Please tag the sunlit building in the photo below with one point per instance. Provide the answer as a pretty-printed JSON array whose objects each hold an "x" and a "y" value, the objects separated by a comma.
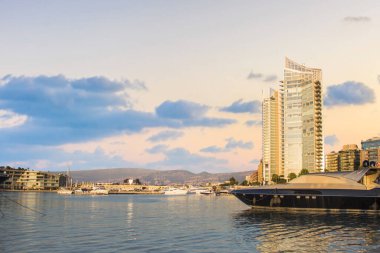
[
  {"x": 252, "y": 178},
  {"x": 349, "y": 158},
  {"x": 302, "y": 116},
  {"x": 272, "y": 136},
  {"x": 332, "y": 162},
  {"x": 370, "y": 150},
  {"x": 22, "y": 179}
]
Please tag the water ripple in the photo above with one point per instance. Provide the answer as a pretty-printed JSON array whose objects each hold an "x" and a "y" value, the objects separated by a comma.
[{"x": 174, "y": 224}]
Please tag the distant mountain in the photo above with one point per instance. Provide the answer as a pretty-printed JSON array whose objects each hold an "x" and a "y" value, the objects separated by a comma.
[{"x": 159, "y": 177}]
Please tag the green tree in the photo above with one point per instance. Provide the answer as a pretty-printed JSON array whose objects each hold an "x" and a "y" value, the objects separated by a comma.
[
  {"x": 303, "y": 172},
  {"x": 292, "y": 176},
  {"x": 233, "y": 181},
  {"x": 245, "y": 182},
  {"x": 275, "y": 178},
  {"x": 278, "y": 179}
]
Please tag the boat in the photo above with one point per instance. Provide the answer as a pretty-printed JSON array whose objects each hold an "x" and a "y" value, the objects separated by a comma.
[
  {"x": 99, "y": 190},
  {"x": 65, "y": 191},
  {"x": 198, "y": 191},
  {"x": 176, "y": 191},
  {"x": 68, "y": 189},
  {"x": 350, "y": 191},
  {"x": 206, "y": 192}
]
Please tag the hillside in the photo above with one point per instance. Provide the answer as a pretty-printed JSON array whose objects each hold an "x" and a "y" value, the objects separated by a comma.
[{"x": 149, "y": 176}]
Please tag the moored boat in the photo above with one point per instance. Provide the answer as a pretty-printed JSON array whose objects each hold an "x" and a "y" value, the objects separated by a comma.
[
  {"x": 176, "y": 191},
  {"x": 65, "y": 191},
  {"x": 356, "y": 190},
  {"x": 99, "y": 190}
]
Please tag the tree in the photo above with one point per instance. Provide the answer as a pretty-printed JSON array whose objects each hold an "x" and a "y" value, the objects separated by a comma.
[
  {"x": 278, "y": 179},
  {"x": 245, "y": 182},
  {"x": 275, "y": 178},
  {"x": 233, "y": 181},
  {"x": 303, "y": 172},
  {"x": 137, "y": 181},
  {"x": 292, "y": 176}
]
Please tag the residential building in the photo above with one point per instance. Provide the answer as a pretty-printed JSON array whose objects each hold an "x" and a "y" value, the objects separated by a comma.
[
  {"x": 349, "y": 158},
  {"x": 332, "y": 162},
  {"x": 252, "y": 178},
  {"x": 272, "y": 137},
  {"x": 370, "y": 150},
  {"x": 260, "y": 178},
  {"x": 22, "y": 179},
  {"x": 302, "y": 118}
]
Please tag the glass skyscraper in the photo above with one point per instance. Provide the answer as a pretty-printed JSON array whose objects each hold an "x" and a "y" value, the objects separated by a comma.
[
  {"x": 292, "y": 123},
  {"x": 302, "y": 118}
]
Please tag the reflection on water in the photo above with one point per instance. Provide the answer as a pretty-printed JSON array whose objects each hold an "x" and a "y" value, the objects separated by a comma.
[
  {"x": 47, "y": 222},
  {"x": 313, "y": 232}
]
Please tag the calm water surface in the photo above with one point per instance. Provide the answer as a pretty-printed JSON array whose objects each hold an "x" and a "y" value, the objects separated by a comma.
[{"x": 47, "y": 222}]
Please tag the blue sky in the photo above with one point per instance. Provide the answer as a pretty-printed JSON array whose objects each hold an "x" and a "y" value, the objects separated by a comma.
[{"x": 174, "y": 84}]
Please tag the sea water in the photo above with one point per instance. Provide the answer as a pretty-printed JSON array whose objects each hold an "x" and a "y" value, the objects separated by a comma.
[{"x": 48, "y": 222}]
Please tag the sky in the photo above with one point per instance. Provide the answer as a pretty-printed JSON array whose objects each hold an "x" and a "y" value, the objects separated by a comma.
[{"x": 174, "y": 84}]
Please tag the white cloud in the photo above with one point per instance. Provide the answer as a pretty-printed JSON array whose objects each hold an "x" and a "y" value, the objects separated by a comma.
[{"x": 10, "y": 119}]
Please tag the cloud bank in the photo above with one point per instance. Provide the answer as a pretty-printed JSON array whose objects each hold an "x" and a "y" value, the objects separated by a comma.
[
  {"x": 265, "y": 78},
  {"x": 165, "y": 136},
  {"x": 349, "y": 93},
  {"x": 239, "y": 106},
  {"x": 357, "y": 19},
  {"x": 251, "y": 123},
  {"x": 331, "y": 140},
  {"x": 231, "y": 144},
  {"x": 61, "y": 110}
]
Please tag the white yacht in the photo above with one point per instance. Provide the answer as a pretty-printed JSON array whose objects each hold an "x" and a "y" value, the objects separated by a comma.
[
  {"x": 198, "y": 191},
  {"x": 176, "y": 191},
  {"x": 99, "y": 190},
  {"x": 65, "y": 191}
]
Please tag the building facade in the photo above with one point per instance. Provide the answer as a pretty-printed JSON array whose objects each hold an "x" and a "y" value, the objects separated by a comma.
[
  {"x": 252, "y": 178},
  {"x": 272, "y": 136},
  {"x": 302, "y": 118},
  {"x": 332, "y": 162},
  {"x": 260, "y": 178},
  {"x": 370, "y": 150},
  {"x": 349, "y": 158},
  {"x": 21, "y": 179}
]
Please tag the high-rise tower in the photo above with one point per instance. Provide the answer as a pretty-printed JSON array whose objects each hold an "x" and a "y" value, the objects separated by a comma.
[
  {"x": 302, "y": 118},
  {"x": 272, "y": 136}
]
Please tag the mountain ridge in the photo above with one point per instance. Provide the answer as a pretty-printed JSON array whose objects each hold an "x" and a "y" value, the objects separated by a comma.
[{"x": 151, "y": 176}]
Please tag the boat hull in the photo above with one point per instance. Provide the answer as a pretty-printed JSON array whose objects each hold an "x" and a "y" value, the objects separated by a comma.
[
  {"x": 311, "y": 199},
  {"x": 176, "y": 192}
]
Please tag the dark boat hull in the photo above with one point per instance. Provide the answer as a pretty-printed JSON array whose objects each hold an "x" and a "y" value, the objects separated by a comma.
[{"x": 311, "y": 199}]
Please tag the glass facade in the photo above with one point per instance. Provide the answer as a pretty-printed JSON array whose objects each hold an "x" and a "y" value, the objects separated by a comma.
[
  {"x": 302, "y": 118},
  {"x": 371, "y": 148}
]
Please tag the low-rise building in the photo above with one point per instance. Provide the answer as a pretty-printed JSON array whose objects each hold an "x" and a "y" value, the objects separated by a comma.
[
  {"x": 23, "y": 179},
  {"x": 260, "y": 177},
  {"x": 252, "y": 178},
  {"x": 332, "y": 162},
  {"x": 349, "y": 158},
  {"x": 370, "y": 150}
]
